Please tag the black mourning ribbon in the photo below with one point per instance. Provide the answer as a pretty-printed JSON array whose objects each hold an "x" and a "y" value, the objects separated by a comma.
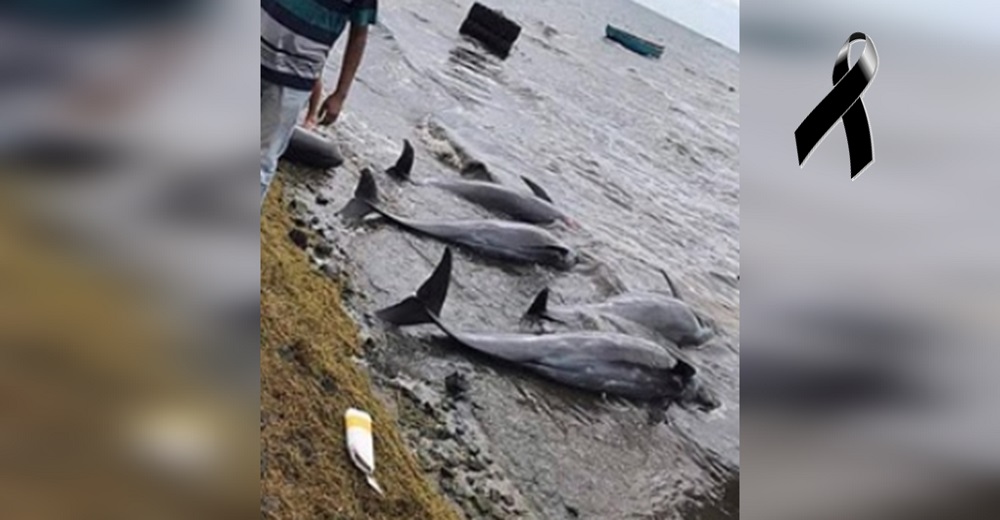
[{"x": 844, "y": 102}]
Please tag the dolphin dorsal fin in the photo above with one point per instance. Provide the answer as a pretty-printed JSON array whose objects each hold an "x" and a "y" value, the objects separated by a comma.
[
  {"x": 435, "y": 289},
  {"x": 540, "y": 306},
  {"x": 365, "y": 196},
  {"x": 539, "y": 309},
  {"x": 537, "y": 190},
  {"x": 404, "y": 165},
  {"x": 673, "y": 288},
  {"x": 426, "y": 304}
]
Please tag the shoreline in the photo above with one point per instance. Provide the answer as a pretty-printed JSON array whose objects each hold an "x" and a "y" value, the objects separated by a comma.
[{"x": 308, "y": 378}]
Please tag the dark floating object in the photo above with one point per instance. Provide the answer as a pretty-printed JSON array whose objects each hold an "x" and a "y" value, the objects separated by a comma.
[
  {"x": 309, "y": 148},
  {"x": 633, "y": 42},
  {"x": 490, "y": 28}
]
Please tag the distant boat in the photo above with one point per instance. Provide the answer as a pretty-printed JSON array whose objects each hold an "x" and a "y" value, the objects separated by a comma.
[{"x": 633, "y": 42}]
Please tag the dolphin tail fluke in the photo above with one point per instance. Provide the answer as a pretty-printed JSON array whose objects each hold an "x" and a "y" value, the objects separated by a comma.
[
  {"x": 426, "y": 304},
  {"x": 537, "y": 190},
  {"x": 404, "y": 165},
  {"x": 365, "y": 196}
]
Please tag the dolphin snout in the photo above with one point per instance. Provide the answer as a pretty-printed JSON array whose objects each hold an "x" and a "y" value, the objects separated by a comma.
[
  {"x": 570, "y": 259},
  {"x": 703, "y": 399}
]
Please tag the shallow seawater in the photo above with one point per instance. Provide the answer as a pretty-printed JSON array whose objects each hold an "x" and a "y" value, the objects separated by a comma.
[{"x": 641, "y": 153}]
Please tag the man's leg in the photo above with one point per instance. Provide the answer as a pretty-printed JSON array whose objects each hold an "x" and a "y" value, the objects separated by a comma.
[
  {"x": 270, "y": 116},
  {"x": 279, "y": 111}
]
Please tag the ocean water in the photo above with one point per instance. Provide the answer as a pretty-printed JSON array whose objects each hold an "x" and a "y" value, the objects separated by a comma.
[{"x": 641, "y": 153}]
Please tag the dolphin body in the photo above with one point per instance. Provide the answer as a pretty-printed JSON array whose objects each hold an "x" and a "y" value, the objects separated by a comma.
[
  {"x": 310, "y": 148},
  {"x": 509, "y": 241},
  {"x": 667, "y": 316},
  {"x": 605, "y": 363},
  {"x": 533, "y": 209}
]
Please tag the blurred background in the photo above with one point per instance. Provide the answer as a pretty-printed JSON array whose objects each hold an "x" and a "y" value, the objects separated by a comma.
[
  {"x": 869, "y": 314},
  {"x": 129, "y": 260}
]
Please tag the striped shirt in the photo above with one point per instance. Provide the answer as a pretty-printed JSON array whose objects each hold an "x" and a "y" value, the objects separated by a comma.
[{"x": 296, "y": 36}]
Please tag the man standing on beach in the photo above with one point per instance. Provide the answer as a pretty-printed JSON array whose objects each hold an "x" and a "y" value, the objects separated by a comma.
[{"x": 296, "y": 37}]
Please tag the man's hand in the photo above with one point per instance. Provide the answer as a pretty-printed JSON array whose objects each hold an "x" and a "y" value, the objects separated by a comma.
[{"x": 329, "y": 111}]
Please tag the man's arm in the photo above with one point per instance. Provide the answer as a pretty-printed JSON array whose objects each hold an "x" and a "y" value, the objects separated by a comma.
[
  {"x": 314, "y": 101},
  {"x": 357, "y": 39}
]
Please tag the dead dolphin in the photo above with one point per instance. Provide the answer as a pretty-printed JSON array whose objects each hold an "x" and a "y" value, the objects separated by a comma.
[
  {"x": 667, "y": 316},
  {"x": 509, "y": 241},
  {"x": 605, "y": 363},
  {"x": 309, "y": 148},
  {"x": 534, "y": 209}
]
